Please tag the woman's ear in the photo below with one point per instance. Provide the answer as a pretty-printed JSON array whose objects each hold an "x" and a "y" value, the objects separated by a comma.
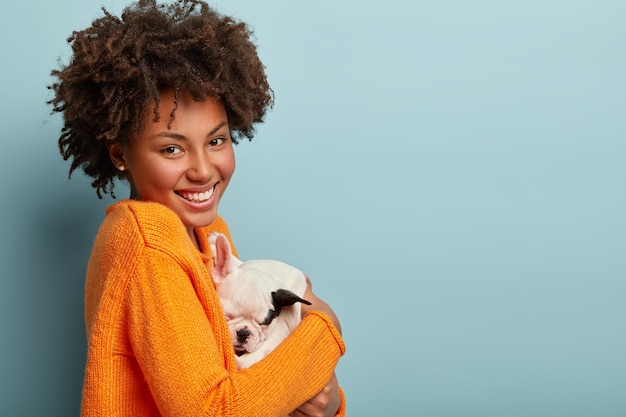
[{"x": 116, "y": 154}]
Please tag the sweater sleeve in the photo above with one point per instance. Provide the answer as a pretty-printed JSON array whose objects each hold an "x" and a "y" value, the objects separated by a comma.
[{"x": 188, "y": 370}]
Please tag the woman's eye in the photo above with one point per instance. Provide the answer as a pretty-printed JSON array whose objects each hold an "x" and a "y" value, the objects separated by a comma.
[
  {"x": 171, "y": 150},
  {"x": 217, "y": 141}
]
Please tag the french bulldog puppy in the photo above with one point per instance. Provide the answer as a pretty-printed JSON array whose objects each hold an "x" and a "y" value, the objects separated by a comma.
[{"x": 260, "y": 298}]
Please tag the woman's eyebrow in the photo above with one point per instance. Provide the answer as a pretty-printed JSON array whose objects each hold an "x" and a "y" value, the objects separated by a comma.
[
  {"x": 179, "y": 136},
  {"x": 218, "y": 127}
]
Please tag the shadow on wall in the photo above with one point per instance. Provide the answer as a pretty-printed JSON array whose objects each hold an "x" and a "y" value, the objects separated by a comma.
[{"x": 49, "y": 225}]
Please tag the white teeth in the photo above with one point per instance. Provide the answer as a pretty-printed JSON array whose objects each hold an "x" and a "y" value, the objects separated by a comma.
[{"x": 198, "y": 197}]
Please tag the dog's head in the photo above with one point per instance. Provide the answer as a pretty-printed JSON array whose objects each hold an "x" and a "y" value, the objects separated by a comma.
[{"x": 258, "y": 296}]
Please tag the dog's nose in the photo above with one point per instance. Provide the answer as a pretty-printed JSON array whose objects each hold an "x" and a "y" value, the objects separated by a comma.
[{"x": 242, "y": 335}]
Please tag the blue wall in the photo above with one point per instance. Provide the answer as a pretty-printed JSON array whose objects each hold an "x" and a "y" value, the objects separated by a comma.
[{"x": 451, "y": 175}]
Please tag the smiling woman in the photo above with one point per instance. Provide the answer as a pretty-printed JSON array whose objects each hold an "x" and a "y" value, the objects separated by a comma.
[{"x": 158, "y": 339}]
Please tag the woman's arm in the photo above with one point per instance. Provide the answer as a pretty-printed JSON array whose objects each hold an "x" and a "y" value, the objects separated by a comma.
[{"x": 317, "y": 304}]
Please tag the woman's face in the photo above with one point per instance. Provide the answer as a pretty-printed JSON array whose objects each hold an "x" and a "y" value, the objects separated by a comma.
[{"x": 187, "y": 166}]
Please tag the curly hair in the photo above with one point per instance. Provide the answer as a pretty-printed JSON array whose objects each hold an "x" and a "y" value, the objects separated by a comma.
[{"x": 119, "y": 66}]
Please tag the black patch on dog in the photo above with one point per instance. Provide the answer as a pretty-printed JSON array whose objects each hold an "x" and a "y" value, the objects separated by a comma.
[{"x": 282, "y": 298}]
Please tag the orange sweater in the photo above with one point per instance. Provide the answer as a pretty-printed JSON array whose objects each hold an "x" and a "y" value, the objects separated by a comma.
[{"x": 159, "y": 344}]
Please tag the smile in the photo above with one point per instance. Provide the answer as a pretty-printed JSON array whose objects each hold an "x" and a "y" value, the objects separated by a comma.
[{"x": 197, "y": 197}]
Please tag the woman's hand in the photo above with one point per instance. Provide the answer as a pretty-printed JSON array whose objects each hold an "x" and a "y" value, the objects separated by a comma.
[
  {"x": 324, "y": 404},
  {"x": 318, "y": 304}
]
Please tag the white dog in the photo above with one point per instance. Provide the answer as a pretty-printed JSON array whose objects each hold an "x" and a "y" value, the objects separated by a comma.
[{"x": 260, "y": 299}]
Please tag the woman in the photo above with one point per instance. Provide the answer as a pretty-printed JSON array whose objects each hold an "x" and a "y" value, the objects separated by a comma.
[{"x": 157, "y": 98}]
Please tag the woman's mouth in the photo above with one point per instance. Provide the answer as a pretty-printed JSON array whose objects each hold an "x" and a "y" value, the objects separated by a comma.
[{"x": 197, "y": 197}]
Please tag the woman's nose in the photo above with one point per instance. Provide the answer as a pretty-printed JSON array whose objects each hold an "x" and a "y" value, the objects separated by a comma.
[{"x": 200, "y": 167}]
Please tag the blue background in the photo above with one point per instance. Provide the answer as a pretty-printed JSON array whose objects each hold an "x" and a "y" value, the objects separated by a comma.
[{"x": 451, "y": 174}]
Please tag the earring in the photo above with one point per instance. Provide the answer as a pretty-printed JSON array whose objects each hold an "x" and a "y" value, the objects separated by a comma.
[{"x": 121, "y": 167}]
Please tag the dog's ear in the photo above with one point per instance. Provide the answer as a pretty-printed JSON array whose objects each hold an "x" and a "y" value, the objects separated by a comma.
[
  {"x": 283, "y": 298},
  {"x": 223, "y": 258}
]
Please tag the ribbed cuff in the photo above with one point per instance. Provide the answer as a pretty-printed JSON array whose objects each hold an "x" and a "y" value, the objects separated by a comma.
[{"x": 331, "y": 326}]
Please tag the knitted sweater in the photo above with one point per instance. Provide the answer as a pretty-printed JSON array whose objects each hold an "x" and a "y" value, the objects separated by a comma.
[{"x": 158, "y": 342}]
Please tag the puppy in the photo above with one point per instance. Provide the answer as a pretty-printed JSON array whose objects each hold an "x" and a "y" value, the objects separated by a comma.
[{"x": 260, "y": 299}]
